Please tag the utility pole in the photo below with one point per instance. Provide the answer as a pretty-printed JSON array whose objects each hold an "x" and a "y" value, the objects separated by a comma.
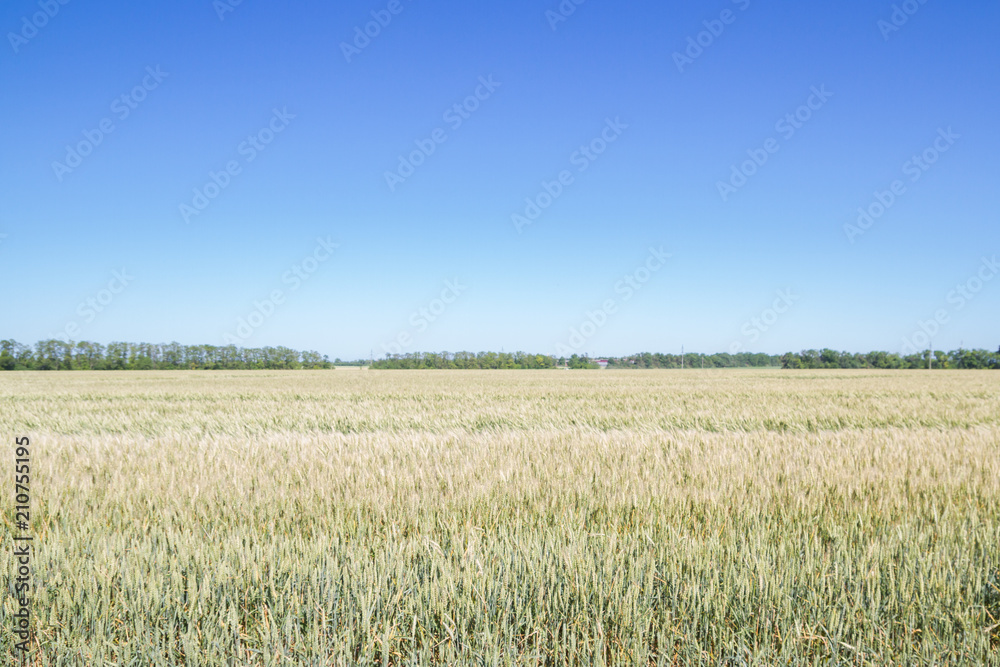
[{"x": 682, "y": 357}]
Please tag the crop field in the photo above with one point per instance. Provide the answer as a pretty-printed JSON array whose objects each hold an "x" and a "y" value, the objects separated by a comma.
[{"x": 727, "y": 517}]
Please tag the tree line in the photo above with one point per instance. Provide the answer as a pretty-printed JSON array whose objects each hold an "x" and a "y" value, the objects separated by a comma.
[
  {"x": 516, "y": 360},
  {"x": 465, "y": 360},
  {"x": 827, "y": 358},
  {"x": 58, "y": 355},
  {"x": 696, "y": 360},
  {"x": 67, "y": 355}
]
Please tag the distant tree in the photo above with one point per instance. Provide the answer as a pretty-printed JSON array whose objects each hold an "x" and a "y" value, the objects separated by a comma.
[{"x": 7, "y": 360}]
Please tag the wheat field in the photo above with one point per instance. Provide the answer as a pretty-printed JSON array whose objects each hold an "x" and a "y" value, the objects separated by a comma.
[{"x": 737, "y": 517}]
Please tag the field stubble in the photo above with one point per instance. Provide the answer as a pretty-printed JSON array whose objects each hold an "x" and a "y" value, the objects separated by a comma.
[{"x": 550, "y": 517}]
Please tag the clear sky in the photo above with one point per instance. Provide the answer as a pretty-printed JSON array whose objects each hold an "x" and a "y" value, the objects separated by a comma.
[{"x": 603, "y": 177}]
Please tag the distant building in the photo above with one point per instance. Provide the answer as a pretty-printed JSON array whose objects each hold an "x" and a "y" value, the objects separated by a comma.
[{"x": 603, "y": 363}]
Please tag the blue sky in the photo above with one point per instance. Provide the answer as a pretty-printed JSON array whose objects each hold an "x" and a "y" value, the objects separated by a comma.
[{"x": 640, "y": 121}]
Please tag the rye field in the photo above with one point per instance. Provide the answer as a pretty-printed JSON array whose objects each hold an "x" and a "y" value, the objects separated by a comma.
[{"x": 724, "y": 517}]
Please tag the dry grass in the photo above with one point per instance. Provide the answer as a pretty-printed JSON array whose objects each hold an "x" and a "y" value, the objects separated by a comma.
[{"x": 511, "y": 517}]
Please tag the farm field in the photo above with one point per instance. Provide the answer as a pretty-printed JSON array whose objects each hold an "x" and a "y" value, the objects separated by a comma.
[{"x": 509, "y": 517}]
